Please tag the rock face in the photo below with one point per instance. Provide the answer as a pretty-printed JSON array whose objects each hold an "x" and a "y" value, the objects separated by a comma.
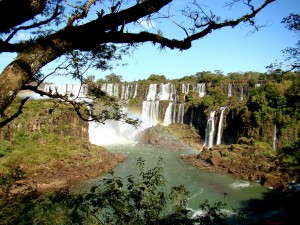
[
  {"x": 51, "y": 124},
  {"x": 174, "y": 136},
  {"x": 248, "y": 162},
  {"x": 59, "y": 174},
  {"x": 45, "y": 115}
]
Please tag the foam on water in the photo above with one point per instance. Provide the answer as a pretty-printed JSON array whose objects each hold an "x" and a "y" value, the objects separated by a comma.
[{"x": 240, "y": 184}]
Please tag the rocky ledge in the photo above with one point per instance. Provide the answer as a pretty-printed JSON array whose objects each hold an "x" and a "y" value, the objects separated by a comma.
[
  {"x": 59, "y": 174},
  {"x": 248, "y": 162},
  {"x": 174, "y": 136}
]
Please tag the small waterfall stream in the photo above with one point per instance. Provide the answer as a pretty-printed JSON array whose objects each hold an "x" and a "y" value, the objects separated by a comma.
[
  {"x": 219, "y": 133},
  {"x": 275, "y": 137},
  {"x": 210, "y": 130},
  {"x": 168, "y": 114}
]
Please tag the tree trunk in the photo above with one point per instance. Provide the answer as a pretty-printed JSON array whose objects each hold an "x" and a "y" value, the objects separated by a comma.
[{"x": 25, "y": 66}]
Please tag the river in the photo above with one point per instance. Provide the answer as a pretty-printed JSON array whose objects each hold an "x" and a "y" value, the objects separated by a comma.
[{"x": 201, "y": 184}]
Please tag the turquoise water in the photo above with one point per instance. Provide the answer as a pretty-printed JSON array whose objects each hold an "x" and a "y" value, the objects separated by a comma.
[{"x": 202, "y": 185}]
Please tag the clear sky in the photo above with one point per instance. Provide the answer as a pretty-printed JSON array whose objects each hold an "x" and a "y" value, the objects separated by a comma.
[{"x": 228, "y": 49}]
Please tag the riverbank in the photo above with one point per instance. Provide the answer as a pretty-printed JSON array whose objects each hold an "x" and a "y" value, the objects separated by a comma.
[{"x": 255, "y": 162}]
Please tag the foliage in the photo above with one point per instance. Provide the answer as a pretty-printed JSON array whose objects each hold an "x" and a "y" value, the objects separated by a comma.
[
  {"x": 289, "y": 157},
  {"x": 157, "y": 78},
  {"x": 141, "y": 200},
  {"x": 291, "y": 54},
  {"x": 113, "y": 78},
  {"x": 209, "y": 77}
]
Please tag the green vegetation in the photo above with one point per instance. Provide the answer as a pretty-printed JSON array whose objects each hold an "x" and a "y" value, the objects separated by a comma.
[
  {"x": 47, "y": 132},
  {"x": 157, "y": 78}
]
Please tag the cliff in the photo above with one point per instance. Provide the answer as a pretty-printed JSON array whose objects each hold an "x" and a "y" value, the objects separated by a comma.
[{"x": 50, "y": 143}]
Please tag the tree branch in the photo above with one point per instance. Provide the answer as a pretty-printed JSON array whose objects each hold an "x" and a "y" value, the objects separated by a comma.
[
  {"x": 82, "y": 14},
  {"x": 54, "y": 15},
  {"x": 15, "y": 12},
  {"x": 228, "y": 23},
  {"x": 8, "y": 120}
]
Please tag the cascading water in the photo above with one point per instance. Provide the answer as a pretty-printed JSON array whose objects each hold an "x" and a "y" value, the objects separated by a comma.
[
  {"x": 135, "y": 91},
  {"x": 210, "y": 129},
  {"x": 111, "y": 89},
  {"x": 168, "y": 115},
  {"x": 180, "y": 113},
  {"x": 125, "y": 92},
  {"x": 167, "y": 91},
  {"x": 150, "y": 113},
  {"x": 275, "y": 137},
  {"x": 201, "y": 89},
  {"x": 242, "y": 94},
  {"x": 71, "y": 90},
  {"x": 174, "y": 114},
  {"x": 185, "y": 88},
  {"x": 219, "y": 134},
  {"x": 229, "y": 90},
  {"x": 151, "y": 96}
]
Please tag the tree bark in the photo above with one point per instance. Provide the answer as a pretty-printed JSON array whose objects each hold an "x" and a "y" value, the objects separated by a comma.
[{"x": 16, "y": 12}]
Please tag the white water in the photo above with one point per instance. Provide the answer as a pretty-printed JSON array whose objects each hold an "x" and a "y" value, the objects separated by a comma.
[
  {"x": 219, "y": 133},
  {"x": 242, "y": 94},
  {"x": 201, "y": 89},
  {"x": 167, "y": 91},
  {"x": 151, "y": 96},
  {"x": 71, "y": 90},
  {"x": 210, "y": 130},
  {"x": 168, "y": 115},
  {"x": 185, "y": 88},
  {"x": 275, "y": 137},
  {"x": 135, "y": 91},
  {"x": 150, "y": 113},
  {"x": 180, "y": 113},
  {"x": 229, "y": 90}
]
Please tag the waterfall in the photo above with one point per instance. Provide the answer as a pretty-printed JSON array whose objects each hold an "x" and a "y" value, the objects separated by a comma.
[
  {"x": 209, "y": 130},
  {"x": 242, "y": 94},
  {"x": 275, "y": 137},
  {"x": 168, "y": 114},
  {"x": 180, "y": 113},
  {"x": 174, "y": 114},
  {"x": 201, "y": 90},
  {"x": 111, "y": 89},
  {"x": 166, "y": 92},
  {"x": 219, "y": 134},
  {"x": 71, "y": 90},
  {"x": 185, "y": 88},
  {"x": 229, "y": 90},
  {"x": 150, "y": 113},
  {"x": 152, "y": 92},
  {"x": 135, "y": 91}
]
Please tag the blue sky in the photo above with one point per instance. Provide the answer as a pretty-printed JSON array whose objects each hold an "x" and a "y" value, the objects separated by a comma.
[{"x": 228, "y": 50}]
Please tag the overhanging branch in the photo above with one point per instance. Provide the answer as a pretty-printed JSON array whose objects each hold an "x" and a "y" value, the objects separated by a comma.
[{"x": 8, "y": 120}]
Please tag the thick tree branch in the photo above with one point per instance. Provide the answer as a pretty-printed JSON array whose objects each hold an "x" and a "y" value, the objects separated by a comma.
[
  {"x": 16, "y": 12},
  {"x": 35, "y": 54}
]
